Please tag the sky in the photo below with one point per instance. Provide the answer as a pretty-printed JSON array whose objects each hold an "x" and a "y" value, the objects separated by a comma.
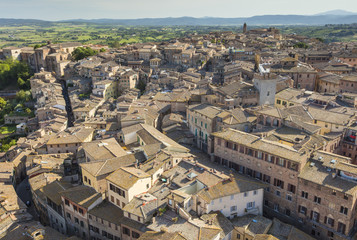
[{"x": 130, "y": 9}]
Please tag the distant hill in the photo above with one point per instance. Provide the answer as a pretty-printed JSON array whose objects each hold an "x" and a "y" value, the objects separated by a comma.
[
  {"x": 16, "y": 22},
  {"x": 255, "y": 20},
  {"x": 331, "y": 17},
  {"x": 338, "y": 12}
]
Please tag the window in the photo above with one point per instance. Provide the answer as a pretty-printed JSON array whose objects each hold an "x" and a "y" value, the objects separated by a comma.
[
  {"x": 302, "y": 210},
  {"x": 238, "y": 236},
  {"x": 276, "y": 207},
  {"x": 278, "y": 183},
  {"x": 66, "y": 202},
  {"x": 255, "y": 192},
  {"x": 287, "y": 212},
  {"x": 266, "y": 178},
  {"x": 126, "y": 231},
  {"x": 344, "y": 210},
  {"x": 277, "y": 193},
  {"x": 304, "y": 194},
  {"x": 345, "y": 197},
  {"x": 82, "y": 224},
  {"x": 80, "y": 210},
  {"x": 147, "y": 186},
  {"x": 75, "y": 208},
  {"x": 85, "y": 178},
  {"x": 329, "y": 221},
  {"x": 89, "y": 182},
  {"x": 233, "y": 208},
  {"x": 68, "y": 216},
  {"x": 76, "y": 220},
  {"x": 206, "y": 125},
  {"x": 135, "y": 234},
  {"x": 315, "y": 216},
  {"x": 289, "y": 197},
  {"x": 250, "y": 205},
  {"x": 104, "y": 233},
  {"x": 281, "y": 162},
  {"x": 246, "y": 194},
  {"x": 291, "y": 188},
  {"x": 317, "y": 200},
  {"x": 341, "y": 228}
]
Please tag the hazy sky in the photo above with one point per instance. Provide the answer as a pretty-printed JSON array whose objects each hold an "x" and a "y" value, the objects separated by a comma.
[{"x": 90, "y": 9}]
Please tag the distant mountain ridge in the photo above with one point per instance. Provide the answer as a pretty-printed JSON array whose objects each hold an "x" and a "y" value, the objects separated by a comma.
[
  {"x": 331, "y": 17},
  {"x": 338, "y": 12}
]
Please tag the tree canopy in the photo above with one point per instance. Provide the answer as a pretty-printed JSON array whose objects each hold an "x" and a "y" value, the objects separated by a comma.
[
  {"x": 81, "y": 52},
  {"x": 301, "y": 45},
  {"x": 115, "y": 44},
  {"x": 14, "y": 73}
]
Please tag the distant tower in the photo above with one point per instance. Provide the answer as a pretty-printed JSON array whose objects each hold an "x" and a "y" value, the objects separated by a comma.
[{"x": 245, "y": 28}]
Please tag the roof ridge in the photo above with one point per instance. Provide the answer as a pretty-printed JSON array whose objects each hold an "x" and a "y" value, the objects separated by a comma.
[
  {"x": 101, "y": 167},
  {"x": 61, "y": 185}
]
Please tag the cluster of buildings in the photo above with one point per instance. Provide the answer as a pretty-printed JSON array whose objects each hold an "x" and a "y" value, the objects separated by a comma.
[{"x": 214, "y": 136}]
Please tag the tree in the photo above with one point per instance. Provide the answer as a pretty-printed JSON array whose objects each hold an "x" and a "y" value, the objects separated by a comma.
[
  {"x": 81, "y": 52},
  {"x": 21, "y": 83},
  {"x": 2, "y": 103},
  {"x": 115, "y": 44},
  {"x": 23, "y": 96},
  {"x": 28, "y": 111},
  {"x": 102, "y": 50},
  {"x": 11, "y": 71},
  {"x": 301, "y": 45},
  {"x": 141, "y": 86}
]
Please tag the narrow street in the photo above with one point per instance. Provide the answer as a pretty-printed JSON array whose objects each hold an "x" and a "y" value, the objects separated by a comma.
[
  {"x": 24, "y": 193},
  {"x": 68, "y": 103}
]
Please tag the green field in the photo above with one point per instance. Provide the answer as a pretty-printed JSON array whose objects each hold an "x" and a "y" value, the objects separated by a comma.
[
  {"x": 329, "y": 33},
  {"x": 90, "y": 33}
]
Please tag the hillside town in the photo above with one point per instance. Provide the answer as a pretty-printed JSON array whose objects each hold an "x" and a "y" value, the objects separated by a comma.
[{"x": 226, "y": 135}]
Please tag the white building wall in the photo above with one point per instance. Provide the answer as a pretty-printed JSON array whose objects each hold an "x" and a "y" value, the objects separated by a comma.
[{"x": 240, "y": 201}]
